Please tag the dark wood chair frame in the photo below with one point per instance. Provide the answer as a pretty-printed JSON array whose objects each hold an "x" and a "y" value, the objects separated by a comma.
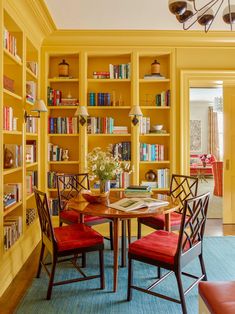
[
  {"x": 191, "y": 234},
  {"x": 49, "y": 242},
  {"x": 181, "y": 188}
]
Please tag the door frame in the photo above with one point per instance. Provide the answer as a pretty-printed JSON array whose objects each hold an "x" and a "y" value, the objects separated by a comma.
[{"x": 196, "y": 78}]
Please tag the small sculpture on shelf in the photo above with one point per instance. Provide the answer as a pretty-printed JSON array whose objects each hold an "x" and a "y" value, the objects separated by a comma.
[
  {"x": 8, "y": 159},
  {"x": 63, "y": 69},
  {"x": 150, "y": 175},
  {"x": 65, "y": 155}
]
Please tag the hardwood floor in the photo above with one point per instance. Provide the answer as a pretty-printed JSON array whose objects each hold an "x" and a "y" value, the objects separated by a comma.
[{"x": 23, "y": 280}]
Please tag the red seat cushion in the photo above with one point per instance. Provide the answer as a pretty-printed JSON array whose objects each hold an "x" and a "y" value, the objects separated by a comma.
[
  {"x": 76, "y": 236},
  {"x": 159, "y": 245},
  {"x": 159, "y": 220},
  {"x": 73, "y": 216},
  {"x": 219, "y": 297}
]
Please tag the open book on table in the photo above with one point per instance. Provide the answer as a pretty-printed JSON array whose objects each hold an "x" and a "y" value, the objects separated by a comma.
[{"x": 127, "y": 204}]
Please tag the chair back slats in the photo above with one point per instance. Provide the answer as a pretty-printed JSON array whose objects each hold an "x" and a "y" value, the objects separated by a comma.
[
  {"x": 70, "y": 186},
  {"x": 193, "y": 222},
  {"x": 183, "y": 188},
  {"x": 44, "y": 218}
]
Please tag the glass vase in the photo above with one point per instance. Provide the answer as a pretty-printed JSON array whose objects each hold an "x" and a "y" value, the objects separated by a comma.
[{"x": 104, "y": 186}]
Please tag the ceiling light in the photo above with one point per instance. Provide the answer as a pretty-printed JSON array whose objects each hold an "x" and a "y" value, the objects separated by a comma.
[{"x": 188, "y": 12}]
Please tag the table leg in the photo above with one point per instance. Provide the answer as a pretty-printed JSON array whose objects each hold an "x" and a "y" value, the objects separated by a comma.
[
  {"x": 123, "y": 243},
  {"x": 115, "y": 253},
  {"x": 168, "y": 222}
]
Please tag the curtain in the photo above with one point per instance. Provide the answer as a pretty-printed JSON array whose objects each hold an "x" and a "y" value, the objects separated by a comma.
[{"x": 213, "y": 133}]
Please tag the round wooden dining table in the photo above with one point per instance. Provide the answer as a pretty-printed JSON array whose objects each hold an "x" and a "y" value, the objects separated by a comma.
[{"x": 103, "y": 210}]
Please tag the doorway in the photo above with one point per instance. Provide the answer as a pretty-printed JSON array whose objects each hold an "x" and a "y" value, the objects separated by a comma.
[{"x": 206, "y": 143}]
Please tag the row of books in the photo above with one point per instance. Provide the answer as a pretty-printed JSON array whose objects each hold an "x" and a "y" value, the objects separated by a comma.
[
  {"x": 31, "y": 181},
  {"x": 122, "y": 151},
  {"x": 138, "y": 191},
  {"x": 63, "y": 125},
  {"x": 55, "y": 152},
  {"x": 151, "y": 152},
  {"x": 120, "y": 71},
  {"x": 51, "y": 180},
  {"x": 31, "y": 91},
  {"x": 12, "y": 193},
  {"x": 162, "y": 180},
  {"x": 99, "y": 99},
  {"x": 16, "y": 152},
  {"x": 163, "y": 99},
  {"x": 31, "y": 151},
  {"x": 9, "y": 121},
  {"x": 10, "y": 43},
  {"x": 31, "y": 125},
  {"x": 100, "y": 125},
  {"x": 144, "y": 123},
  {"x": 12, "y": 229}
]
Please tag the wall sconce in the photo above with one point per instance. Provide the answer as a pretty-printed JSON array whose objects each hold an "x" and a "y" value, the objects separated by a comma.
[
  {"x": 39, "y": 106},
  {"x": 82, "y": 112},
  {"x": 135, "y": 112}
]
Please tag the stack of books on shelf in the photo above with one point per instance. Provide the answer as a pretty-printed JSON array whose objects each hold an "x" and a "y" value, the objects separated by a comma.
[
  {"x": 12, "y": 228},
  {"x": 154, "y": 77},
  {"x": 163, "y": 178},
  {"x": 33, "y": 67},
  {"x": 53, "y": 96},
  {"x": 8, "y": 83},
  {"x": 31, "y": 91},
  {"x": 101, "y": 75},
  {"x": 151, "y": 152},
  {"x": 118, "y": 129},
  {"x": 151, "y": 184},
  {"x": 138, "y": 191},
  {"x": 100, "y": 125},
  {"x": 163, "y": 99},
  {"x": 122, "y": 151},
  {"x": 120, "y": 71},
  {"x": 12, "y": 194},
  {"x": 31, "y": 214},
  {"x": 8, "y": 118},
  {"x": 144, "y": 123},
  {"x": 63, "y": 125}
]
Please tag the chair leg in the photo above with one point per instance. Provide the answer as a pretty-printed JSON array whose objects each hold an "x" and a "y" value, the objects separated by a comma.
[
  {"x": 102, "y": 281},
  {"x": 203, "y": 267},
  {"x": 129, "y": 231},
  {"x": 83, "y": 260},
  {"x": 158, "y": 272},
  {"x": 111, "y": 235},
  {"x": 181, "y": 291},
  {"x": 130, "y": 278},
  {"x": 51, "y": 280},
  {"x": 139, "y": 230},
  {"x": 40, "y": 260},
  {"x": 123, "y": 243}
]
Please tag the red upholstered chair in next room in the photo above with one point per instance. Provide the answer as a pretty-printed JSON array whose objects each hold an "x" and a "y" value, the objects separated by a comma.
[
  {"x": 173, "y": 251},
  {"x": 181, "y": 188},
  {"x": 66, "y": 241},
  {"x": 217, "y": 169}
]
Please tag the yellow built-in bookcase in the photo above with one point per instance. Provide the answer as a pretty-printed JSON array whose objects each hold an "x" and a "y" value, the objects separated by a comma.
[
  {"x": 19, "y": 68},
  {"x": 86, "y": 66}
]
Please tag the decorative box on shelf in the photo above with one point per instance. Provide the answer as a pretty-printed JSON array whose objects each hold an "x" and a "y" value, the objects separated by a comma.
[{"x": 8, "y": 83}]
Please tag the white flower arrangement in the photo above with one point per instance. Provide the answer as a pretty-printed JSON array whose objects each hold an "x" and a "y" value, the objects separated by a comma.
[{"x": 104, "y": 166}]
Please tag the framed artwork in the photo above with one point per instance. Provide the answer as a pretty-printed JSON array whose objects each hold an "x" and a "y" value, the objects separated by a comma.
[{"x": 195, "y": 136}]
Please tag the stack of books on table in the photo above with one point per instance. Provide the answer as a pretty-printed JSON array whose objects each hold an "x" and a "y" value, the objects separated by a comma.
[{"x": 138, "y": 191}]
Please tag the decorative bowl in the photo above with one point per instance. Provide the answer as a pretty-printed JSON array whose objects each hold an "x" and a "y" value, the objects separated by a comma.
[
  {"x": 95, "y": 197},
  {"x": 157, "y": 127}
]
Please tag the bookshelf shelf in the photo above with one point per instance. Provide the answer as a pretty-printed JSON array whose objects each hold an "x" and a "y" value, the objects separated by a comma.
[
  {"x": 28, "y": 134},
  {"x": 157, "y": 81},
  {"x": 9, "y": 93},
  {"x": 155, "y": 107},
  {"x": 109, "y": 107},
  {"x": 29, "y": 103},
  {"x": 11, "y": 208},
  {"x": 72, "y": 162},
  {"x": 155, "y": 162},
  {"x": 108, "y": 80},
  {"x": 62, "y": 80},
  {"x": 155, "y": 135},
  {"x": 109, "y": 135},
  {"x": 11, "y": 57},
  {"x": 28, "y": 197},
  {"x": 6, "y": 132},
  {"x": 61, "y": 107},
  {"x": 33, "y": 75},
  {"x": 12, "y": 170},
  {"x": 58, "y": 135},
  {"x": 31, "y": 165}
]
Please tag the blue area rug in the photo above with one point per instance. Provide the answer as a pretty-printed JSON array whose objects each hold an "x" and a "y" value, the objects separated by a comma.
[{"x": 85, "y": 298}]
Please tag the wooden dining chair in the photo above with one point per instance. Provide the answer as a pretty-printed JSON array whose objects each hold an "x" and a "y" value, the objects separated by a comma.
[
  {"x": 173, "y": 251},
  {"x": 64, "y": 242},
  {"x": 70, "y": 186},
  {"x": 181, "y": 188}
]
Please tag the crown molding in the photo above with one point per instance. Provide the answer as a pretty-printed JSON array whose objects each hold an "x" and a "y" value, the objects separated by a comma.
[{"x": 140, "y": 37}]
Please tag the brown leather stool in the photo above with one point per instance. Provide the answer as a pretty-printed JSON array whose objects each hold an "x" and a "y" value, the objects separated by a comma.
[{"x": 217, "y": 297}]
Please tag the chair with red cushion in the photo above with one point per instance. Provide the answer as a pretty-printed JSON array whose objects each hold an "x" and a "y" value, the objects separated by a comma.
[
  {"x": 66, "y": 241},
  {"x": 181, "y": 188},
  {"x": 173, "y": 251},
  {"x": 71, "y": 185}
]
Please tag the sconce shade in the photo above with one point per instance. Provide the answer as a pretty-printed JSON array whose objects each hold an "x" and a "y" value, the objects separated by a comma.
[
  {"x": 39, "y": 106},
  {"x": 135, "y": 111},
  {"x": 82, "y": 111}
]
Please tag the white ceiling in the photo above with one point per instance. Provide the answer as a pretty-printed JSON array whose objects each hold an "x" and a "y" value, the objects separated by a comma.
[{"x": 120, "y": 15}]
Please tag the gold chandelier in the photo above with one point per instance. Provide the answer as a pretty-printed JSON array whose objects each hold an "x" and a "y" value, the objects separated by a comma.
[{"x": 188, "y": 12}]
